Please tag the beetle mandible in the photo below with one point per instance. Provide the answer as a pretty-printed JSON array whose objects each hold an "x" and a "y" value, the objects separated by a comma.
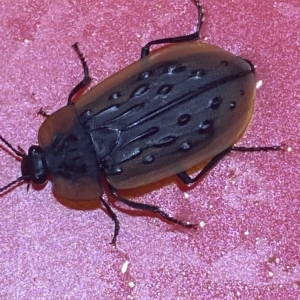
[{"x": 173, "y": 109}]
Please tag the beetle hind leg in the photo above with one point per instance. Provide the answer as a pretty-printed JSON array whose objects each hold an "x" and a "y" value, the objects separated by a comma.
[
  {"x": 86, "y": 79},
  {"x": 152, "y": 208},
  {"x": 178, "y": 39}
]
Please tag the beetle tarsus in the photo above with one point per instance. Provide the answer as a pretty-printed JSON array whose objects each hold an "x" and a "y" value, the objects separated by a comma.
[
  {"x": 173, "y": 220},
  {"x": 114, "y": 218},
  {"x": 86, "y": 79},
  {"x": 152, "y": 208},
  {"x": 178, "y": 39},
  {"x": 257, "y": 149}
]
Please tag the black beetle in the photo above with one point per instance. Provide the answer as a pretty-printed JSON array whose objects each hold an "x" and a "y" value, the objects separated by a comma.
[{"x": 173, "y": 109}]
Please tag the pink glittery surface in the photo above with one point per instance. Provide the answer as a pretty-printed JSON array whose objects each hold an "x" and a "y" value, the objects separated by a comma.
[{"x": 247, "y": 246}]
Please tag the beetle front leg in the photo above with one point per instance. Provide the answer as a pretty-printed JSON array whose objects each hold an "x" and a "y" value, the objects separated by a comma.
[
  {"x": 178, "y": 39},
  {"x": 86, "y": 79},
  {"x": 152, "y": 208}
]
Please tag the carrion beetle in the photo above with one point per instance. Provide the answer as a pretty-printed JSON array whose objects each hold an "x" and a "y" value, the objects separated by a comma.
[{"x": 175, "y": 108}]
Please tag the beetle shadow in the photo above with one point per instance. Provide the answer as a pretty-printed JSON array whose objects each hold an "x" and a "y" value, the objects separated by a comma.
[
  {"x": 148, "y": 188},
  {"x": 7, "y": 191},
  {"x": 96, "y": 204},
  {"x": 78, "y": 204},
  {"x": 10, "y": 153},
  {"x": 132, "y": 194}
]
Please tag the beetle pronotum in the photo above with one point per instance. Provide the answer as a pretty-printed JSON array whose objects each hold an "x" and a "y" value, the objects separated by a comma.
[{"x": 173, "y": 109}]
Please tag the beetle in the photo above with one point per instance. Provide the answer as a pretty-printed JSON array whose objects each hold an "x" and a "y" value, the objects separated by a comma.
[{"x": 173, "y": 109}]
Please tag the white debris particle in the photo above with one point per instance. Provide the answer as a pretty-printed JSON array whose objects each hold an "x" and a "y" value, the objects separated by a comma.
[
  {"x": 258, "y": 84},
  {"x": 289, "y": 149},
  {"x": 246, "y": 232},
  {"x": 131, "y": 284},
  {"x": 125, "y": 267},
  {"x": 202, "y": 224},
  {"x": 186, "y": 195},
  {"x": 271, "y": 274}
]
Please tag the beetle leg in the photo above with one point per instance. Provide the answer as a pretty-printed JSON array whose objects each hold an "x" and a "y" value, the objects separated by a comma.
[
  {"x": 152, "y": 208},
  {"x": 86, "y": 79},
  {"x": 253, "y": 149},
  {"x": 178, "y": 39},
  {"x": 186, "y": 179},
  {"x": 114, "y": 218},
  {"x": 43, "y": 113}
]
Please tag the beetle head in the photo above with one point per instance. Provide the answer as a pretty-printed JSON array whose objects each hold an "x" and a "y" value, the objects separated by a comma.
[{"x": 34, "y": 166}]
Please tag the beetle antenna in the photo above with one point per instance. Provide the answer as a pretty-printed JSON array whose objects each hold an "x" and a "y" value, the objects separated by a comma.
[
  {"x": 17, "y": 152},
  {"x": 21, "y": 178}
]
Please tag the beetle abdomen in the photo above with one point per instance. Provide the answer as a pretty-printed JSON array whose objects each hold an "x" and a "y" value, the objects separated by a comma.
[{"x": 168, "y": 112}]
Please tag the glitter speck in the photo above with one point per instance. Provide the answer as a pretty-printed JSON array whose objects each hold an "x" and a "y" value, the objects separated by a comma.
[
  {"x": 202, "y": 224},
  {"x": 270, "y": 274},
  {"x": 125, "y": 267}
]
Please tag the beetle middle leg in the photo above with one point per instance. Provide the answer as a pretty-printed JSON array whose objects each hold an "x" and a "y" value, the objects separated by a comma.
[
  {"x": 186, "y": 179},
  {"x": 86, "y": 79},
  {"x": 152, "y": 208},
  {"x": 178, "y": 39},
  {"x": 114, "y": 218}
]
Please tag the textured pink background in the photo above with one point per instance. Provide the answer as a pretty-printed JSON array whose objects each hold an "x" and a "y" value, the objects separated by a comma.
[{"x": 249, "y": 246}]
